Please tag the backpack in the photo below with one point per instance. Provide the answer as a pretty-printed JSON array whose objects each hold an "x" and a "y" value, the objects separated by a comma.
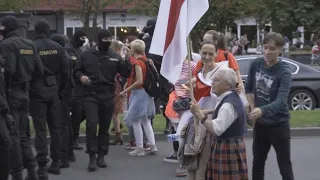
[{"x": 151, "y": 83}]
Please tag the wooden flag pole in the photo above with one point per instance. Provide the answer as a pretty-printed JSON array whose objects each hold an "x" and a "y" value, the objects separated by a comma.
[{"x": 195, "y": 120}]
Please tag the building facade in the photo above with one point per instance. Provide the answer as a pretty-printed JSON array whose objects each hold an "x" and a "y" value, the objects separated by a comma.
[{"x": 120, "y": 24}]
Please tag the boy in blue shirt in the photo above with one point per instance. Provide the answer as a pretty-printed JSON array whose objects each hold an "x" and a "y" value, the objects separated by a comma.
[{"x": 267, "y": 90}]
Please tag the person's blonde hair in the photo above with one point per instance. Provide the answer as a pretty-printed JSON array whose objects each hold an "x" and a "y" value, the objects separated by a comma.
[
  {"x": 116, "y": 46},
  {"x": 138, "y": 46}
]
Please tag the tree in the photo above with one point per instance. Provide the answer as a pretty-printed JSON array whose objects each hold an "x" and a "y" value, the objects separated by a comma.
[
  {"x": 221, "y": 14},
  {"x": 88, "y": 11},
  {"x": 15, "y": 5},
  {"x": 286, "y": 16}
]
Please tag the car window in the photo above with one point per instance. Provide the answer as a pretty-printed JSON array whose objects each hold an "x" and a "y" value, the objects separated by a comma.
[
  {"x": 292, "y": 67},
  {"x": 244, "y": 65}
]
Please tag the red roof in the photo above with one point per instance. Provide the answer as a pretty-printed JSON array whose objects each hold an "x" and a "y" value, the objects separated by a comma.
[{"x": 73, "y": 5}]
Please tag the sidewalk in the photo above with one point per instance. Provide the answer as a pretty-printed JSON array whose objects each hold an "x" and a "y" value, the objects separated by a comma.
[{"x": 160, "y": 136}]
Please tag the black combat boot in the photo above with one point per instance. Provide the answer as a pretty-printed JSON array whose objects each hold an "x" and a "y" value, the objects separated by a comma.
[
  {"x": 72, "y": 157},
  {"x": 55, "y": 167},
  {"x": 17, "y": 176},
  {"x": 92, "y": 163},
  {"x": 65, "y": 161},
  {"x": 100, "y": 161},
  {"x": 32, "y": 174},
  {"x": 42, "y": 173}
]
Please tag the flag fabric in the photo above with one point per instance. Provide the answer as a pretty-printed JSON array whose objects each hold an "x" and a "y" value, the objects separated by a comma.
[{"x": 176, "y": 19}]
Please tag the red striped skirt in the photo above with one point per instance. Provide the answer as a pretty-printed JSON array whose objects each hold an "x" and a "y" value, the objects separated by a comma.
[{"x": 228, "y": 160}]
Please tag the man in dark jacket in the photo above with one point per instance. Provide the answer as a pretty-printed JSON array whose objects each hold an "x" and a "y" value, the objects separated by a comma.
[
  {"x": 74, "y": 50},
  {"x": 66, "y": 98},
  {"x": 5, "y": 140},
  {"x": 45, "y": 106},
  {"x": 97, "y": 70},
  {"x": 22, "y": 64}
]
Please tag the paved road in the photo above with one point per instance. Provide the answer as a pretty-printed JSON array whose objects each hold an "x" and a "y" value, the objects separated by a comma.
[
  {"x": 305, "y": 157},
  {"x": 315, "y": 67}
]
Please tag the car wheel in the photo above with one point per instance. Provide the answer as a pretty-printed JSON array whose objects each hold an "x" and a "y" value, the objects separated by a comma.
[{"x": 302, "y": 100}]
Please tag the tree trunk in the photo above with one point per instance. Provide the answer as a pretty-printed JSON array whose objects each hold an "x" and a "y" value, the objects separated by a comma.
[
  {"x": 87, "y": 9},
  {"x": 95, "y": 14}
]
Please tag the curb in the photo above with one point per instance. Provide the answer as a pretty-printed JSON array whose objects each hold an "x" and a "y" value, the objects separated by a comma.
[{"x": 159, "y": 136}]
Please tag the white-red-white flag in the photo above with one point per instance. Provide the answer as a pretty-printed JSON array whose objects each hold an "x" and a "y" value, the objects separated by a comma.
[{"x": 176, "y": 19}]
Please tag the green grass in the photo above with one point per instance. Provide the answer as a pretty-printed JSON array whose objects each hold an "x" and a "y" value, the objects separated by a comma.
[
  {"x": 298, "y": 119},
  {"x": 300, "y": 52}
]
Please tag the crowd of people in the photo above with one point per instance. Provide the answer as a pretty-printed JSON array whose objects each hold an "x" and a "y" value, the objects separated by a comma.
[{"x": 61, "y": 83}]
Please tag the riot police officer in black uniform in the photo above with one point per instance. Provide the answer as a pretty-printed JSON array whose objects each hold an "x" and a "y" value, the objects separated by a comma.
[
  {"x": 5, "y": 140},
  {"x": 45, "y": 106},
  {"x": 22, "y": 64},
  {"x": 66, "y": 99},
  {"x": 74, "y": 49},
  {"x": 97, "y": 70}
]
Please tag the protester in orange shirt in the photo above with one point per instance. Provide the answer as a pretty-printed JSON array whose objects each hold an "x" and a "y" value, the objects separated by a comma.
[
  {"x": 222, "y": 53},
  {"x": 141, "y": 105}
]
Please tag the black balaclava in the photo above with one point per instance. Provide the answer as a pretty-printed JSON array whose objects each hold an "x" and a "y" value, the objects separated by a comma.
[
  {"x": 151, "y": 24},
  {"x": 76, "y": 38},
  {"x": 58, "y": 38},
  {"x": 104, "y": 45},
  {"x": 10, "y": 23},
  {"x": 42, "y": 27}
]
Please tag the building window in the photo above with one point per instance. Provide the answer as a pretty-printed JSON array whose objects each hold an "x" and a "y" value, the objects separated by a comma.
[
  {"x": 120, "y": 33},
  {"x": 69, "y": 32},
  {"x": 77, "y": 29}
]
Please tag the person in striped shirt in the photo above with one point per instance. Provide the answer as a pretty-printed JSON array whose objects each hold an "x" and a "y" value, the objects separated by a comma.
[{"x": 179, "y": 93}]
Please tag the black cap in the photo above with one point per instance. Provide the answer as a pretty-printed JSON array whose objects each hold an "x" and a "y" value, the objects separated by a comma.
[
  {"x": 42, "y": 27},
  {"x": 9, "y": 23},
  {"x": 76, "y": 38},
  {"x": 104, "y": 33},
  {"x": 58, "y": 38},
  {"x": 151, "y": 22}
]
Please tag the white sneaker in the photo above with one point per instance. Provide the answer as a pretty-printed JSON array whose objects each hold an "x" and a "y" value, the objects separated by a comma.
[
  {"x": 137, "y": 152},
  {"x": 153, "y": 149}
]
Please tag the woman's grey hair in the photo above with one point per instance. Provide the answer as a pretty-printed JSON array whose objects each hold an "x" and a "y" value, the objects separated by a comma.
[{"x": 229, "y": 76}]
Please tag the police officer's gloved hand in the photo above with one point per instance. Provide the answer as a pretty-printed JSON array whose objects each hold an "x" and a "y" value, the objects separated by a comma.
[{"x": 9, "y": 122}]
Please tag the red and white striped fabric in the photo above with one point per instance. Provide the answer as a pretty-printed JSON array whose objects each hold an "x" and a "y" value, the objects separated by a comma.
[{"x": 176, "y": 19}]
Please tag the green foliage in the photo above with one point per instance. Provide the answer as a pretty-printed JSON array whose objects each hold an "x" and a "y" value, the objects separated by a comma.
[
  {"x": 15, "y": 5},
  {"x": 285, "y": 15},
  {"x": 146, "y": 7}
]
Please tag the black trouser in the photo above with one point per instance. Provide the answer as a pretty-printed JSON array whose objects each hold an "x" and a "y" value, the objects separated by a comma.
[
  {"x": 5, "y": 144},
  {"x": 4, "y": 163},
  {"x": 25, "y": 161},
  {"x": 77, "y": 115},
  {"x": 263, "y": 138},
  {"x": 66, "y": 126},
  {"x": 98, "y": 110},
  {"x": 21, "y": 154},
  {"x": 46, "y": 109}
]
